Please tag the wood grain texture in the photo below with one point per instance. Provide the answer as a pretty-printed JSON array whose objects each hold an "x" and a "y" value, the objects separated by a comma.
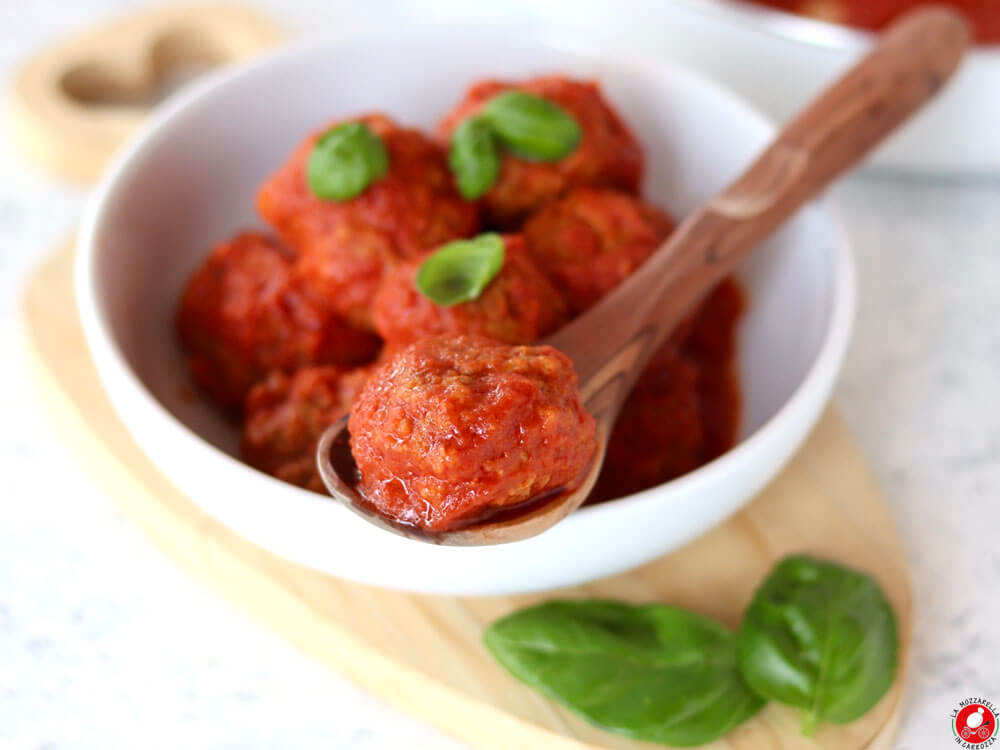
[
  {"x": 423, "y": 653},
  {"x": 74, "y": 103}
]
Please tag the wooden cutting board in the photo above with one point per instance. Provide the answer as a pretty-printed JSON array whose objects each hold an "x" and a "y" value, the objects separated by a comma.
[{"x": 423, "y": 653}]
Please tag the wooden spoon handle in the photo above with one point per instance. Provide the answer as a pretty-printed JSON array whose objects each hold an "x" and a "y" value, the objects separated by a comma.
[
  {"x": 913, "y": 60},
  {"x": 614, "y": 340}
]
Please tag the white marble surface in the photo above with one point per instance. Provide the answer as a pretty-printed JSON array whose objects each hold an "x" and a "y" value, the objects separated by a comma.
[{"x": 104, "y": 644}]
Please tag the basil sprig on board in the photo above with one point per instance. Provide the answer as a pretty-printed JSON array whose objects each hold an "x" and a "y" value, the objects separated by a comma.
[
  {"x": 819, "y": 637},
  {"x": 345, "y": 160},
  {"x": 816, "y": 636},
  {"x": 459, "y": 271},
  {"x": 654, "y": 673},
  {"x": 529, "y": 126}
]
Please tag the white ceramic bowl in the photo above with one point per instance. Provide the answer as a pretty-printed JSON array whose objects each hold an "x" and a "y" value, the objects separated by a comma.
[{"x": 189, "y": 181}]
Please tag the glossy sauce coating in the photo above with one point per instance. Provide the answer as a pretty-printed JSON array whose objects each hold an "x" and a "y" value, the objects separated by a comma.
[
  {"x": 518, "y": 307},
  {"x": 246, "y": 312},
  {"x": 456, "y": 427},
  {"x": 607, "y": 156},
  {"x": 346, "y": 246}
]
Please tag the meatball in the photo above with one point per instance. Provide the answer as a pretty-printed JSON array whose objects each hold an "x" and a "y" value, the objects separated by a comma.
[
  {"x": 684, "y": 409},
  {"x": 591, "y": 240},
  {"x": 246, "y": 312},
  {"x": 286, "y": 414},
  {"x": 607, "y": 156},
  {"x": 518, "y": 307},
  {"x": 347, "y": 245},
  {"x": 456, "y": 427}
]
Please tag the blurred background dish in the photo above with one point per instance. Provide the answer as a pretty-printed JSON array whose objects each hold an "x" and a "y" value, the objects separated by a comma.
[
  {"x": 775, "y": 58},
  {"x": 875, "y": 15}
]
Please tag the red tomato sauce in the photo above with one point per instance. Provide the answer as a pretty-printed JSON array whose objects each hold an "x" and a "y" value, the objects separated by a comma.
[{"x": 685, "y": 409}]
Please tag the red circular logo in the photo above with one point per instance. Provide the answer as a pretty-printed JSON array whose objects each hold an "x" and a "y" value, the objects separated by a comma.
[{"x": 975, "y": 723}]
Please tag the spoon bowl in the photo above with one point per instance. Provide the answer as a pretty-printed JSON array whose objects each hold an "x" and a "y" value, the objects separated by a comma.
[
  {"x": 340, "y": 475},
  {"x": 612, "y": 343}
]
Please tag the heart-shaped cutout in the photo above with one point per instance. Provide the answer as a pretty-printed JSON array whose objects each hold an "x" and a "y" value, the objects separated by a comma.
[
  {"x": 75, "y": 102},
  {"x": 178, "y": 56}
]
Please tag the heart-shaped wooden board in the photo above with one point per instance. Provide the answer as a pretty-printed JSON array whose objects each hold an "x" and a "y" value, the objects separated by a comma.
[{"x": 77, "y": 101}]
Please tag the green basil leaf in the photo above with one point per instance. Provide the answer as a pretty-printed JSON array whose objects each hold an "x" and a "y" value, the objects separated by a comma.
[
  {"x": 345, "y": 160},
  {"x": 474, "y": 158},
  {"x": 532, "y": 127},
  {"x": 819, "y": 637},
  {"x": 654, "y": 673},
  {"x": 460, "y": 271}
]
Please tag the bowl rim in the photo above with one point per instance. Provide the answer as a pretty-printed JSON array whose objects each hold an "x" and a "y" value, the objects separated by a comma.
[
  {"x": 114, "y": 369},
  {"x": 814, "y": 32}
]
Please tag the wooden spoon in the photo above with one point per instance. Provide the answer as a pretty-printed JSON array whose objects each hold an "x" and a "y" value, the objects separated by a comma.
[{"x": 612, "y": 343}]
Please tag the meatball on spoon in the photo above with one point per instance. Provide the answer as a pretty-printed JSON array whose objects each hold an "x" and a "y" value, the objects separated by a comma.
[{"x": 611, "y": 343}]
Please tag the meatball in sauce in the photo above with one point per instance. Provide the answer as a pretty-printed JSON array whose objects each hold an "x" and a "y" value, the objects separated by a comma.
[
  {"x": 346, "y": 246},
  {"x": 246, "y": 311},
  {"x": 608, "y": 154},
  {"x": 457, "y": 428},
  {"x": 285, "y": 416},
  {"x": 590, "y": 241},
  {"x": 519, "y": 306}
]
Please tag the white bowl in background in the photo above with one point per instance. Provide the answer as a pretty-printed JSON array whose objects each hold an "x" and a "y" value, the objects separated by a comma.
[
  {"x": 188, "y": 181},
  {"x": 779, "y": 60}
]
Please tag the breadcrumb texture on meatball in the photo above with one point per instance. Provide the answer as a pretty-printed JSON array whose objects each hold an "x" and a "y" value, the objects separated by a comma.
[
  {"x": 456, "y": 428},
  {"x": 591, "y": 240},
  {"x": 245, "y": 312},
  {"x": 347, "y": 245},
  {"x": 519, "y": 306},
  {"x": 608, "y": 154}
]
